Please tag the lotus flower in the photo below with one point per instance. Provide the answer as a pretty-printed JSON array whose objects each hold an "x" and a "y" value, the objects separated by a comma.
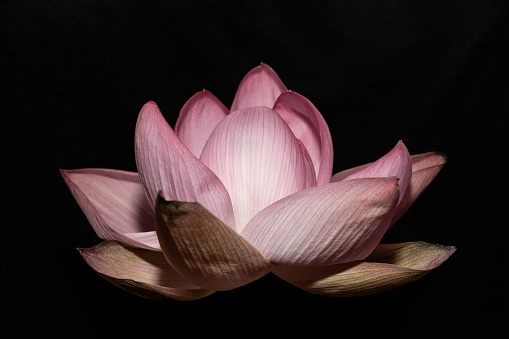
[{"x": 230, "y": 195}]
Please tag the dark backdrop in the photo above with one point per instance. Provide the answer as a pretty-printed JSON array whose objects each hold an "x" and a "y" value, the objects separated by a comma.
[{"x": 430, "y": 73}]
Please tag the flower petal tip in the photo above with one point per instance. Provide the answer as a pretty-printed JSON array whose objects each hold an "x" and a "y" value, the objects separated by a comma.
[
  {"x": 203, "y": 249},
  {"x": 388, "y": 267},
  {"x": 443, "y": 253},
  {"x": 65, "y": 174},
  {"x": 443, "y": 155},
  {"x": 418, "y": 255},
  {"x": 260, "y": 87},
  {"x": 139, "y": 271}
]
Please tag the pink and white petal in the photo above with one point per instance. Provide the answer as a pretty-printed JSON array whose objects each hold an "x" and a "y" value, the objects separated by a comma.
[
  {"x": 204, "y": 250},
  {"x": 260, "y": 87},
  {"x": 115, "y": 205},
  {"x": 389, "y": 267},
  {"x": 396, "y": 163},
  {"x": 165, "y": 164},
  {"x": 140, "y": 271},
  {"x": 325, "y": 225},
  {"x": 149, "y": 239},
  {"x": 258, "y": 159},
  {"x": 198, "y": 118},
  {"x": 309, "y": 126},
  {"x": 425, "y": 168},
  {"x": 346, "y": 173}
]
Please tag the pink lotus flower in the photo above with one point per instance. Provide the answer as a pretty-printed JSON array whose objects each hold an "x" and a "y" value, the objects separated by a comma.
[{"x": 229, "y": 196}]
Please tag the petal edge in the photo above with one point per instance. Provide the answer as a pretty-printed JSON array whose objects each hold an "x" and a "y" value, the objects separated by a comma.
[
  {"x": 325, "y": 225},
  {"x": 400, "y": 264},
  {"x": 396, "y": 163},
  {"x": 310, "y": 127},
  {"x": 260, "y": 87},
  {"x": 115, "y": 205},
  {"x": 197, "y": 119},
  {"x": 166, "y": 164},
  {"x": 203, "y": 249},
  {"x": 139, "y": 271}
]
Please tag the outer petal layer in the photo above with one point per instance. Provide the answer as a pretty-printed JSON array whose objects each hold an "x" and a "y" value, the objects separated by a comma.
[
  {"x": 388, "y": 267},
  {"x": 165, "y": 164},
  {"x": 425, "y": 168},
  {"x": 258, "y": 159},
  {"x": 197, "y": 119},
  {"x": 396, "y": 163},
  {"x": 204, "y": 250},
  {"x": 325, "y": 225},
  {"x": 309, "y": 126},
  {"x": 260, "y": 87},
  {"x": 115, "y": 205},
  {"x": 139, "y": 271}
]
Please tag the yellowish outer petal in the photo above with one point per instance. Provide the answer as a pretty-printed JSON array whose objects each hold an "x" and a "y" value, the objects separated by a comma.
[
  {"x": 388, "y": 267},
  {"x": 140, "y": 271}
]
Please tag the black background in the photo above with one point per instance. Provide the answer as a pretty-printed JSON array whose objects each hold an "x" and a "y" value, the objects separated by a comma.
[{"x": 431, "y": 73}]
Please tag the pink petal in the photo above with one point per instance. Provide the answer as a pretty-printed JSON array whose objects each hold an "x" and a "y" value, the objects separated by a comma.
[
  {"x": 396, "y": 163},
  {"x": 425, "y": 168},
  {"x": 139, "y": 271},
  {"x": 325, "y": 225},
  {"x": 388, "y": 267},
  {"x": 258, "y": 159},
  {"x": 204, "y": 250},
  {"x": 114, "y": 204},
  {"x": 260, "y": 87},
  {"x": 346, "y": 173},
  {"x": 308, "y": 125},
  {"x": 197, "y": 119},
  {"x": 165, "y": 164}
]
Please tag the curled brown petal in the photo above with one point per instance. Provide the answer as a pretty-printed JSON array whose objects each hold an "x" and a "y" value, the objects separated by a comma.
[{"x": 203, "y": 249}]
